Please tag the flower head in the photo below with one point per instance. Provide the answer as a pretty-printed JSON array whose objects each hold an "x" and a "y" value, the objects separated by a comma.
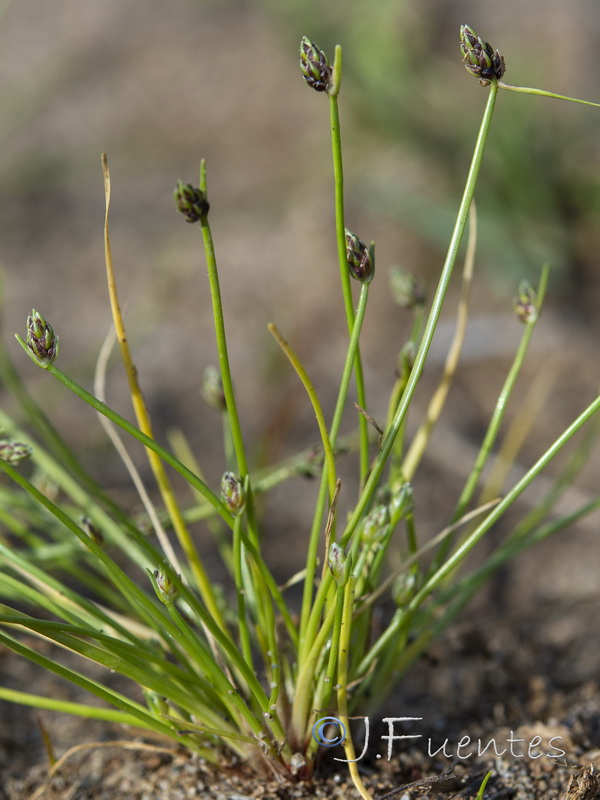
[
  {"x": 404, "y": 588},
  {"x": 232, "y": 493},
  {"x": 314, "y": 65},
  {"x": 340, "y": 563},
  {"x": 164, "y": 587},
  {"x": 480, "y": 59},
  {"x": 407, "y": 290},
  {"x": 14, "y": 452},
  {"x": 525, "y": 303},
  {"x": 359, "y": 258},
  {"x": 190, "y": 202},
  {"x": 375, "y": 523},
  {"x": 41, "y": 339}
]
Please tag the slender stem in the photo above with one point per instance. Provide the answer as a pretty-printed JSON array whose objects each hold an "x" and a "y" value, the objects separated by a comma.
[
  {"x": 128, "y": 708},
  {"x": 403, "y": 368},
  {"x": 542, "y": 93},
  {"x": 151, "y": 444},
  {"x": 48, "y": 432},
  {"x": 514, "y": 545},
  {"x": 453, "y": 561},
  {"x": 575, "y": 464},
  {"x": 310, "y": 390},
  {"x": 232, "y": 700},
  {"x": 311, "y": 561},
  {"x": 273, "y": 589},
  {"x": 460, "y": 593},
  {"x": 145, "y": 425},
  {"x": 495, "y": 423},
  {"x": 499, "y": 411},
  {"x": 228, "y": 391},
  {"x": 306, "y": 677},
  {"x": 353, "y": 349},
  {"x": 432, "y": 320},
  {"x": 309, "y": 577},
  {"x": 219, "y": 323},
  {"x": 484, "y": 783},
  {"x": 340, "y": 230},
  {"x": 136, "y": 597},
  {"x": 118, "y": 444},
  {"x": 342, "y": 692},
  {"x": 324, "y": 687},
  {"x": 66, "y": 707},
  {"x": 438, "y": 400},
  {"x": 238, "y": 555}
]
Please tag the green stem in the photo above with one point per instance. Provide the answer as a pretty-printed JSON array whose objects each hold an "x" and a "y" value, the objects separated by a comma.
[
  {"x": 432, "y": 320},
  {"x": 324, "y": 688},
  {"x": 542, "y": 93},
  {"x": 342, "y": 692},
  {"x": 232, "y": 700},
  {"x": 318, "y": 411},
  {"x": 228, "y": 391},
  {"x": 219, "y": 323},
  {"x": 465, "y": 548},
  {"x": 460, "y": 594},
  {"x": 273, "y": 589},
  {"x": 436, "y": 405},
  {"x": 151, "y": 444},
  {"x": 353, "y": 349},
  {"x": 340, "y": 229},
  {"x": 128, "y": 708},
  {"x": 311, "y": 562},
  {"x": 48, "y": 432},
  {"x": 497, "y": 417},
  {"x": 238, "y": 555},
  {"x": 306, "y": 678},
  {"x": 66, "y": 707},
  {"x": 501, "y": 404}
]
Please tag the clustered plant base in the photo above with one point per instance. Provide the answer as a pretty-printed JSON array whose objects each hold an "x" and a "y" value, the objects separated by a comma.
[{"x": 241, "y": 669}]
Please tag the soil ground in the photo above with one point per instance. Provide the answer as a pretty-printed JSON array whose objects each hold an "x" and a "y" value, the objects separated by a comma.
[{"x": 488, "y": 679}]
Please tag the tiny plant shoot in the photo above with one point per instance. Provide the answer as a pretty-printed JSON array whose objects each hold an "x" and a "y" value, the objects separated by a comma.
[{"x": 243, "y": 671}]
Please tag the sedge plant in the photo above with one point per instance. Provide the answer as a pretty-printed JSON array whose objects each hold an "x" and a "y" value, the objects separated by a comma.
[{"x": 240, "y": 671}]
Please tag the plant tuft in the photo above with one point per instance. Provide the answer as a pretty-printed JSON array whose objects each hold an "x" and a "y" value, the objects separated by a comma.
[{"x": 249, "y": 671}]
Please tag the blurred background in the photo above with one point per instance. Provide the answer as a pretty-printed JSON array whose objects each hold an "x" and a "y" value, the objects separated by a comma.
[{"x": 158, "y": 85}]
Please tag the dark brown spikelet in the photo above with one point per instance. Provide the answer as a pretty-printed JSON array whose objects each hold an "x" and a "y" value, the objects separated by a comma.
[
  {"x": 358, "y": 257},
  {"x": 480, "y": 59},
  {"x": 190, "y": 202},
  {"x": 314, "y": 65},
  {"x": 41, "y": 339}
]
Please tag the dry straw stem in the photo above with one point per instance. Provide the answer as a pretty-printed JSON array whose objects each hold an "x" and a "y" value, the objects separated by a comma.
[
  {"x": 118, "y": 444},
  {"x": 120, "y": 743},
  {"x": 143, "y": 419},
  {"x": 437, "y": 402}
]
